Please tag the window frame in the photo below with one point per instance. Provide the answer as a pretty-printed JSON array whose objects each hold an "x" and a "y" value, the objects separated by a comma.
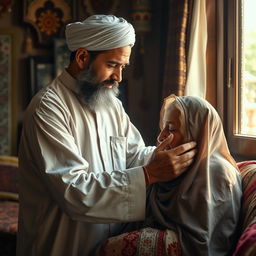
[{"x": 241, "y": 146}]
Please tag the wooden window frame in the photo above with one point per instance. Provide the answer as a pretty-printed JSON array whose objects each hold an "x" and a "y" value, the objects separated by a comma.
[{"x": 242, "y": 147}]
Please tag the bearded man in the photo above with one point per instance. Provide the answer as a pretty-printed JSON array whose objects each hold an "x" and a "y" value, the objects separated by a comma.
[{"x": 84, "y": 167}]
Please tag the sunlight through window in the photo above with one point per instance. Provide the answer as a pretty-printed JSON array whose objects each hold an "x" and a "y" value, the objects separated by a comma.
[{"x": 248, "y": 68}]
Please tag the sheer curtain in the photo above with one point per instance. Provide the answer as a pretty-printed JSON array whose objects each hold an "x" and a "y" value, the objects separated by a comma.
[
  {"x": 196, "y": 62},
  {"x": 185, "y": 53}
]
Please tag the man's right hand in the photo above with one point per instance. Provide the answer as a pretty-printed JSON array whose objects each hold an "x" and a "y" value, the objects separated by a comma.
[{"x": 168, "y": 163}]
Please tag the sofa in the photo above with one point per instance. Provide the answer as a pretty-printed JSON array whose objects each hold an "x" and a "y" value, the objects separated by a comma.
[
  {"x": 9, "y": 204},
  {"x": 246, "y": 245},
  {"x": 150, "y": 241},
  {"x": 138, "y": 242}
]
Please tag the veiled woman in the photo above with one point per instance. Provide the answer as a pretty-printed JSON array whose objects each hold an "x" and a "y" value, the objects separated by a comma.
[
  {"x": 203, "y": 204},
  {"x": 198, "y": 212}
]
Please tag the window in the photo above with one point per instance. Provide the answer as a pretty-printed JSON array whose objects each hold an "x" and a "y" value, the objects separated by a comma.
[{"x": 240, "y": 79}]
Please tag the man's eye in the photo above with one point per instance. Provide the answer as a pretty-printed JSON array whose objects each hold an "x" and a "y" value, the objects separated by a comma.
[{"x": 111, "y": 66}]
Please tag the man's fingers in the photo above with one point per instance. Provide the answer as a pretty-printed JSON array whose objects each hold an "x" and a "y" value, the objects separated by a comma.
[
  {"x": 166, "y": 144},
  {"x": 184, "y": 148},
  {"x": 186, "y": 164}
]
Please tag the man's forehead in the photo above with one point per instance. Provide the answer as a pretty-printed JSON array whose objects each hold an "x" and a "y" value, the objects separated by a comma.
[
  {"x": 126, "y": 50},
  {"x": 116, "y": 56}
]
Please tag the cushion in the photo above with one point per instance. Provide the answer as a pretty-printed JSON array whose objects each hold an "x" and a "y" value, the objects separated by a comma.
[
  {"x": 8, "y": 178},
  {"x": 146, "y": 241},
  {"x": 9, "y": 217},
  {"x": 248, "y": 172},
  {"x": 246, "y": 245}
]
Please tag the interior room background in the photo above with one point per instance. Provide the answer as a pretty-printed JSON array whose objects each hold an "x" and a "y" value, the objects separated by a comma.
[{"x": 33, "y": 51}]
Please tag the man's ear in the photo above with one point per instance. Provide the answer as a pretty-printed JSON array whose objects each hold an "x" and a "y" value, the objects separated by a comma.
[{"x": 82, "y": 58}]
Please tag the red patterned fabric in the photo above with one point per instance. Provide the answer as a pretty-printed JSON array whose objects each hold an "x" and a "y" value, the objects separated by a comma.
[
  {"x": 147, "y": 241},
  {"x": 8, "y": 178},
  {"x": 245, "y": 163},
  {"x": 9, "y": 217},
  {"x": 248, "y": 172},
  {"x": 246, "y": 245}
]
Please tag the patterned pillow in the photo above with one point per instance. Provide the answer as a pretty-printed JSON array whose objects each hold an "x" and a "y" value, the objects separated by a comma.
[
  {"x": 248, "y": 172},
  {"x": 146, "y": 241},
  {"x": 9, "y": 217},
  {"x": 9, "y": 174},
  {"x": 246, "y": 245}
]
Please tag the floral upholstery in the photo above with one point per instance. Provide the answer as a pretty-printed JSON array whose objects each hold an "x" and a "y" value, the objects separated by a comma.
[
  {"x": 146, "y": 241},
  {"x": 9, "y": 205},
  {"x": 9, "y": 217}
]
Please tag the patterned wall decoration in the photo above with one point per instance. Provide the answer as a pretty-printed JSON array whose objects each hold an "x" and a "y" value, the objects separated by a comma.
[
  {"x": 5, "y": 6},
  {"x": 48, "y": 17},
  {"x": 7, "y": 91},
  {"x": 141, "y": 16},
  {"x": 101, "y": 6}
]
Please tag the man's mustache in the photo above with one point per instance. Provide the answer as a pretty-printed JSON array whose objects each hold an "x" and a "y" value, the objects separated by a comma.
[{"x": 107, "y": 82}]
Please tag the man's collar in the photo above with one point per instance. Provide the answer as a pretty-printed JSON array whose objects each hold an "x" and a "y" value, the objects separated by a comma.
[{"x": 69, "y": 81}]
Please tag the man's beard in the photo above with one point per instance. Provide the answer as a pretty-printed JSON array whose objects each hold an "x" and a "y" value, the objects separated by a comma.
[{"x": 93, "y": 94}]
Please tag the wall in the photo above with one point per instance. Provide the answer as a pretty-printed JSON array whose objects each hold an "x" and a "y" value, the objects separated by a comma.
[{"x": 142, "y": 92}]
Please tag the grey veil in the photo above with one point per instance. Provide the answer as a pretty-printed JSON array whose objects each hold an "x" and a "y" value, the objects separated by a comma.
[{"x": 203, "y": 204}]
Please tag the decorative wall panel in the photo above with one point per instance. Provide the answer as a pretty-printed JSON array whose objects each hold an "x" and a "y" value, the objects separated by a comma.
[{"x": 7, "y": 93}]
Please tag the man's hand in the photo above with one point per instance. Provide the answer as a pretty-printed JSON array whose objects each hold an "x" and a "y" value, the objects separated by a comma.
[{"x": 167, "y": 164}]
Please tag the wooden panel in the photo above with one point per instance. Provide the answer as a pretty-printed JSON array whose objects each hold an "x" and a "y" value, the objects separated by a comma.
[{"x": 211, "y": 53}]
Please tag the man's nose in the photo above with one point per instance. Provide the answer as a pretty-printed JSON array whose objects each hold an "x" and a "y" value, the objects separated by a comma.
[{"x": 117, "y": 75}]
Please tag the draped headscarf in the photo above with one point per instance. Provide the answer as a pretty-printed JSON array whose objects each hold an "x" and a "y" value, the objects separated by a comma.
[
  {"x": 100, "y": 32},
  {"x": 203, "y": 204}
]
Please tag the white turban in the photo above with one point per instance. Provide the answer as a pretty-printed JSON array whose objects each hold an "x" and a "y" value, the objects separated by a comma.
[{"x": 100, "y": 32}]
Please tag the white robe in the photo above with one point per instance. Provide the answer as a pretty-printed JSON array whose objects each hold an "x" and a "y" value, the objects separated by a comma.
[{"x": 79, "y": 173}]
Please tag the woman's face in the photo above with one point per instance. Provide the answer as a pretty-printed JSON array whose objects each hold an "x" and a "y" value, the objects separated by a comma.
[{"x": 173, "y": 123}]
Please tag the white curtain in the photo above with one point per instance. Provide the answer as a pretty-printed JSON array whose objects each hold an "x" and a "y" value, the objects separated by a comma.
[{"x": 196, "y": 66}]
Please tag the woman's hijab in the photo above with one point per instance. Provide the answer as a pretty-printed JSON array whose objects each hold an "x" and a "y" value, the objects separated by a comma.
[{"x": 203, "y": 204}]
